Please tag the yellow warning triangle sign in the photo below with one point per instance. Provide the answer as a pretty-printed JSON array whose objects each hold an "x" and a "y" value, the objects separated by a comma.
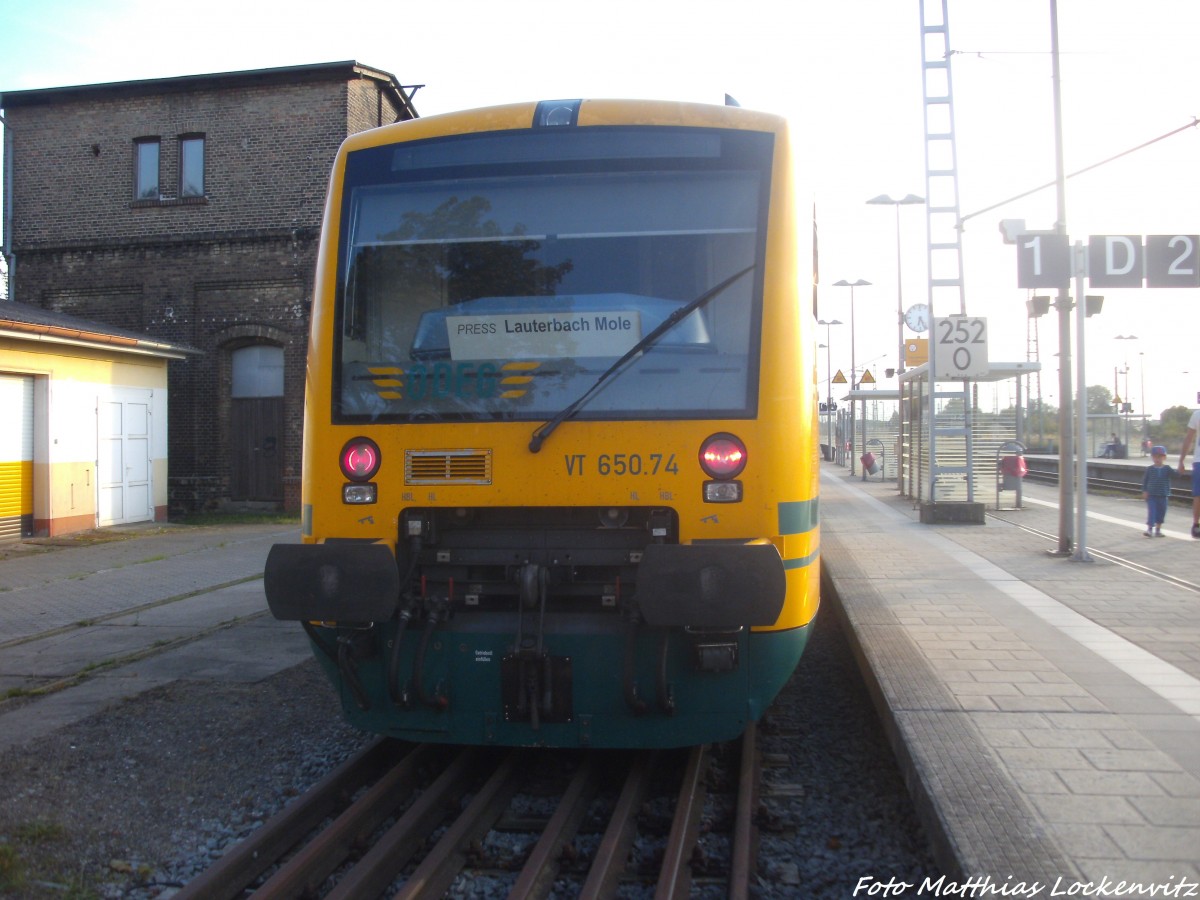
[
  {"x": 867, "y": 378},
  {"x": 839, "y": 378}
]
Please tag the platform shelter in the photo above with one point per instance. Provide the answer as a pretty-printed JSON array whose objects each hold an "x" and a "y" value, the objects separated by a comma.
[
  {"x": 871, "y": 424},
  {"x": 951, "y": 457}
]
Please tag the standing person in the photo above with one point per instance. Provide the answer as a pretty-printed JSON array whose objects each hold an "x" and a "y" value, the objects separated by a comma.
[
  {"x": 1156, "y": 488},
  {"x": 1189, "y": 442}
]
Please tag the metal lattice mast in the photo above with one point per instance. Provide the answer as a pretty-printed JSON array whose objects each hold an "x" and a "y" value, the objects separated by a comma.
[
  {"x": 941, "y": 164},
  {"x": 944, "y": 241}
]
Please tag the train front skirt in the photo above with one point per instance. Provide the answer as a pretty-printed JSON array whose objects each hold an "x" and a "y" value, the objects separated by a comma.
[{"x": 627, "y": 686}]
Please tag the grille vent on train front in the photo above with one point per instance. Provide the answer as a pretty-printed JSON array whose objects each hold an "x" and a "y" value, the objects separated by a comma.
[{"x": 448, "y": 467}]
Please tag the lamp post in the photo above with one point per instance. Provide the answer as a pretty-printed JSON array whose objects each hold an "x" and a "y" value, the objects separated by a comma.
[
  {"x": 852, "y": 285},
  {"x": 1038, "y": 307},
  {"x": 1125, "y": 408},
  {"x": 1145, "y": 417},
  {"x": 829, "y": 381},
  {"x": 907, "y": 200}
]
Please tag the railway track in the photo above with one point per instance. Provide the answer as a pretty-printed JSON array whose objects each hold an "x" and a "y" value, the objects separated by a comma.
[
  {"x": 408, "y": 820},
  {"x": 1046, "y": 472}
]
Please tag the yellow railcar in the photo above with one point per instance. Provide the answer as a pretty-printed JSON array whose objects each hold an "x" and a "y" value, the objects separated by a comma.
[{"x": 560, "y": 459}]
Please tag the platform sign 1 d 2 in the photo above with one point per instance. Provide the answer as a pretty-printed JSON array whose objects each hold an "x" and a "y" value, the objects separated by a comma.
[
  {"x": 1163, "y": 260},
  {"x": 1113, "y": 260},
  {"x": 1043, "y": 260}
]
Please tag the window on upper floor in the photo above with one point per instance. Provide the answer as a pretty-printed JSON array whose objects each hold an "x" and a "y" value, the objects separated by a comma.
[
  {"x": 191, "y": 165},
  {"x": 145, "y": 168}
]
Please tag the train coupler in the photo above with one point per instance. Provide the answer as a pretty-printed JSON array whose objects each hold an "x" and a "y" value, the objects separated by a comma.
[{"x": 536, "y": 688}]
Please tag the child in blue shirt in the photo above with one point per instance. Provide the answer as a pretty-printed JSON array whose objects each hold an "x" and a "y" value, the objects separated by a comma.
[{"x": 1156, "y": 487}]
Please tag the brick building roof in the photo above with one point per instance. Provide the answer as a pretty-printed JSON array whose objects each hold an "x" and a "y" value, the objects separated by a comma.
[{"x": 263, "y": 77}]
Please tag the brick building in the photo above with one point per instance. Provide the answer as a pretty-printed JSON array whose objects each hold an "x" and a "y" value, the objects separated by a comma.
[{"x": 188, "y": 209}]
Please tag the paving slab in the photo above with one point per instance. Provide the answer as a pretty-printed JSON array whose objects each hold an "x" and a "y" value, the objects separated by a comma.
[{"x": 86, "y": 624}]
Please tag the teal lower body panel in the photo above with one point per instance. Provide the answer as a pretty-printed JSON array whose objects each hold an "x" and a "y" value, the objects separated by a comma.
[{"x": 590, "y": 687}]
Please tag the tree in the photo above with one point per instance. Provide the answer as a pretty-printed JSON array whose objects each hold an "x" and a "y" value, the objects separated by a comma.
[
  {"x": 1099, "y": 399},
  {"x": 1174, "y": 424}
]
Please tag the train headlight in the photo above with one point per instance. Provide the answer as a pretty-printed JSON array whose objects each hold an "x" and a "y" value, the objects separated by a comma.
[
  {"x": 360, "y": 459},
  {"x": 359, "y": 493},
  {"x": 722, "y": 492},
  {"x": 722, "y": 456}
]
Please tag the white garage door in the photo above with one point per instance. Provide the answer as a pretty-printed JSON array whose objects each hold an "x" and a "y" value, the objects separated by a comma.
[{"x": 16, "y": 457}]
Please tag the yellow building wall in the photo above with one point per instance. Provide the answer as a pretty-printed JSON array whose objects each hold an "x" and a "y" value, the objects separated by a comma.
[{"x": 68, "y": 381}]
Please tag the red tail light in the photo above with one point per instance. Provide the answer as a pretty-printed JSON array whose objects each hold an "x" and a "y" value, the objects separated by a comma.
[
  {"x": 722, "y": 456},
  {"x": 360, "y": 459}
]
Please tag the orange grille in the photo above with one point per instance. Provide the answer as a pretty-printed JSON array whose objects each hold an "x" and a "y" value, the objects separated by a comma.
[{"x": 448, "y": 467}]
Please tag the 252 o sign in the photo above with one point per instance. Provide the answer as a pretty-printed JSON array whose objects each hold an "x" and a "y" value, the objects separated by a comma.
[{"x": 960, "y": 347}]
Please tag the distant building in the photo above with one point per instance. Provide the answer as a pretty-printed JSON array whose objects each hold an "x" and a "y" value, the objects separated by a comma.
[{"x": 188, "y": 209}]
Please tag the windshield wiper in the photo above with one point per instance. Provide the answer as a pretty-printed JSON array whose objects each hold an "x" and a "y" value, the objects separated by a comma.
[{"x": 544, "y": 430}]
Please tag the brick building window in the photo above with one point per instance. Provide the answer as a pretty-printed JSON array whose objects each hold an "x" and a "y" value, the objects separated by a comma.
[
  {"x": 191, "y": 165},
  {"x": 145, "y": 168}
]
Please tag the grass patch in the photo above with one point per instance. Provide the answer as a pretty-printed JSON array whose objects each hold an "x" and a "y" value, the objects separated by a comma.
[
  {"x": 39, "y": 831},
  {"x": 12, "y": 869},
  {"x": 14, "y": 872}
]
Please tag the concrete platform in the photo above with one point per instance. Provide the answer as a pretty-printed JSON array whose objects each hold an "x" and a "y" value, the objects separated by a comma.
[
  {"x": 1046, "y": 712},
  {"x": 87, "y": 623}
]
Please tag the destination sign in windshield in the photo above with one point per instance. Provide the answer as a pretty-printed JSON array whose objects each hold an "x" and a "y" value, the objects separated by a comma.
[{"x": 559, "y": 335}]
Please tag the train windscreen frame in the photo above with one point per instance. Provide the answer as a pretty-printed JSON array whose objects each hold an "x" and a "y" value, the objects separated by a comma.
[{"x": 497, "y": 276}]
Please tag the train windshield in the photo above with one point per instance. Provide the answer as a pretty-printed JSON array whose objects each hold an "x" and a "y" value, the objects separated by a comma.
[{"x": 496, "y": 276}]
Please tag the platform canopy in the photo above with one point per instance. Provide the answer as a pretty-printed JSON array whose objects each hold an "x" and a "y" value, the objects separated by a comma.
[{"x": 997, "y": 371}]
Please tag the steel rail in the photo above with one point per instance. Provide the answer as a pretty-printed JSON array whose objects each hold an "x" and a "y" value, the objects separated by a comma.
[
  {"x": 356, "y": 800},
  {"x": 745, "y": 836},
  {"x": 228, "y": 877},
  {"x": 303, "y": 874},
  {"x": 392, "y": 851},
  {"x": 675, "y": 877},
  {"x": 618, "y": 836},
  {"x": 538, "y": 874},
  {"x": 438, "y": 869}
]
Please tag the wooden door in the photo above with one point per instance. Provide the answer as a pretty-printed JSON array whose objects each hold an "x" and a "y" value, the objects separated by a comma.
[{"x": 256, "y": 446}]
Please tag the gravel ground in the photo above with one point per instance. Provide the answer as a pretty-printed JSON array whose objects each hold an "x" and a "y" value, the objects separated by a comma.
[
  {"x": 134, "y": 802},
  {"x": 839, "y": 809}
]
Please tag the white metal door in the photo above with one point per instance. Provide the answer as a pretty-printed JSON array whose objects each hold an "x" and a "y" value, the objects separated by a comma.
[{"x": 123, "y": 457}]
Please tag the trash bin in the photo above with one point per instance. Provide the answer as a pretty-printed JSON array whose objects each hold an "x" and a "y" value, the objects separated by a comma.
[
  {"x": 870, "y": 466},
  {"x": 1012, "y": 470}
]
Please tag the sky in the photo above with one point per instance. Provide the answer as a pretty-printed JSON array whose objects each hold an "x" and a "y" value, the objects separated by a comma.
[{"x": 847, "y": 73}]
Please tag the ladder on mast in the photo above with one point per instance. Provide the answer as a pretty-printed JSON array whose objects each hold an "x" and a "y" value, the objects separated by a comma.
[{"x": 950, "y": 465}]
